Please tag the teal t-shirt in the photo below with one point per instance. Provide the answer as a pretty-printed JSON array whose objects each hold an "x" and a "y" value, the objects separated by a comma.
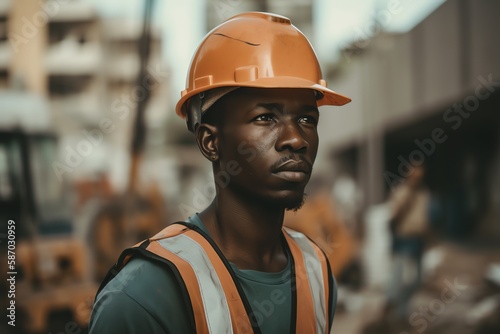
[{"x": 145, "y": 297}]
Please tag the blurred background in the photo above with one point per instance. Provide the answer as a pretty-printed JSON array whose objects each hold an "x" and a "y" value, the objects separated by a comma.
[{"x": 405, "y": 197}]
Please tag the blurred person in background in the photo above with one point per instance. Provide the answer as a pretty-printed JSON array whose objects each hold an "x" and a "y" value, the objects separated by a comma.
[
  {"x": 409, "y": 224},
  {"x": 252, "y": 100}
]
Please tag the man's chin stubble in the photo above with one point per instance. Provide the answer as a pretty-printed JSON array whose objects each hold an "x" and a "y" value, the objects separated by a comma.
[{"x": 295, "y": 206}]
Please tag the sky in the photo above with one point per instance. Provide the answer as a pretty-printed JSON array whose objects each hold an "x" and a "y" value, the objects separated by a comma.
[{"x": 335, "y": 23}]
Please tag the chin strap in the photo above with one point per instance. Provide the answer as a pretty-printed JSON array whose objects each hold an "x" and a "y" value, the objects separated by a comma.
[{"x": 194, "y": 112}]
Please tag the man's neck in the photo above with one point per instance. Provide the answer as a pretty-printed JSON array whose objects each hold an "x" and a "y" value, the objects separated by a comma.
[{"x": 248, "y": 233}]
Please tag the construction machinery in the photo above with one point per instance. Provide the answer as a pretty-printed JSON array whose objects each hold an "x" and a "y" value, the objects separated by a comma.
[{"x": 52, "y": 281}]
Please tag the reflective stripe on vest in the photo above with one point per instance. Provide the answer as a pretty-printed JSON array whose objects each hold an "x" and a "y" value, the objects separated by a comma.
[
  {"x": 313, "y": 272},
  {"x": 216, "y": 302}
]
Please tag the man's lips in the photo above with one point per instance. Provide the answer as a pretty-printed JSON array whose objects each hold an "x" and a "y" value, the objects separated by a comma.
[{"x": 293, "y": 170}]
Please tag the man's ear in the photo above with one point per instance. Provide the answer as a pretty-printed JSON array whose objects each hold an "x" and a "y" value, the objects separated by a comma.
[{"x": 207, "y": 136}]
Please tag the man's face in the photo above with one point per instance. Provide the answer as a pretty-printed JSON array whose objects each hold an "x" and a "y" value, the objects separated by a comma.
[{"x": 271, "y": 134}]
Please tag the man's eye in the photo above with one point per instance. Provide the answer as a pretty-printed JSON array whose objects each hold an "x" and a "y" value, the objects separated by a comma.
[
  {"x": 264, "y": 118},
  {"x": 308, "y": 120}
]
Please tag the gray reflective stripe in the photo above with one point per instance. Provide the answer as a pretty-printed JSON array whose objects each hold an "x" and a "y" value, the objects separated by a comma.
[
  {"x": 315, "y": 276},
  {"x": 212, "y": 293}
]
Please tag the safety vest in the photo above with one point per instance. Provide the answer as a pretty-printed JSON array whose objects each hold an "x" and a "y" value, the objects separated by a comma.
[{"x": 194, "y": 257}]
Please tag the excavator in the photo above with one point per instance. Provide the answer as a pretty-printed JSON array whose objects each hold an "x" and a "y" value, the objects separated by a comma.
[
  {"x": 57, "y": 266},
  {"x": 50, "y": 262}
]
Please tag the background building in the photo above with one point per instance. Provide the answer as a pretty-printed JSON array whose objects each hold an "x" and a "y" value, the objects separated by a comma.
[{"x": 432, "y": 90}]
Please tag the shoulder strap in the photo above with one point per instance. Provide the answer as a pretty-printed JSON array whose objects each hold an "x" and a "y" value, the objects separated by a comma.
[
  {"x": 194, "y": 257},
  {"x": 197, "y": 258},
  {"x": 125, "y": 256},
  {"x": 139, "y": 250},
  {"x": 128, "y": 253},
  {"x": 313, "y": 284}
]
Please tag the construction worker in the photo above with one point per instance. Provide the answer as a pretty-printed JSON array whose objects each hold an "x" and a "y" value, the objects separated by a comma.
[{"x": 252, "y": 98}]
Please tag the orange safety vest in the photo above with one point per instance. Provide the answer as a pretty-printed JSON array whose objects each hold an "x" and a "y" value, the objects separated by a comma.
[{"x": 194, "y": 257}]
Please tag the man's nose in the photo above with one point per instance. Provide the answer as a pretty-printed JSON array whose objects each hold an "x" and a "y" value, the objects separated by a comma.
[{"x": 291, "y": 138}]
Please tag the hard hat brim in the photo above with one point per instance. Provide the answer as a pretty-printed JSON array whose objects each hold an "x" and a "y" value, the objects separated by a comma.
[{"x": 328, "y": 96}]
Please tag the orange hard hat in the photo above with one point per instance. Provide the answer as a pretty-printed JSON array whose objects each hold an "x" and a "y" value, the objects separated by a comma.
[{"x": 259, "y": 50}]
